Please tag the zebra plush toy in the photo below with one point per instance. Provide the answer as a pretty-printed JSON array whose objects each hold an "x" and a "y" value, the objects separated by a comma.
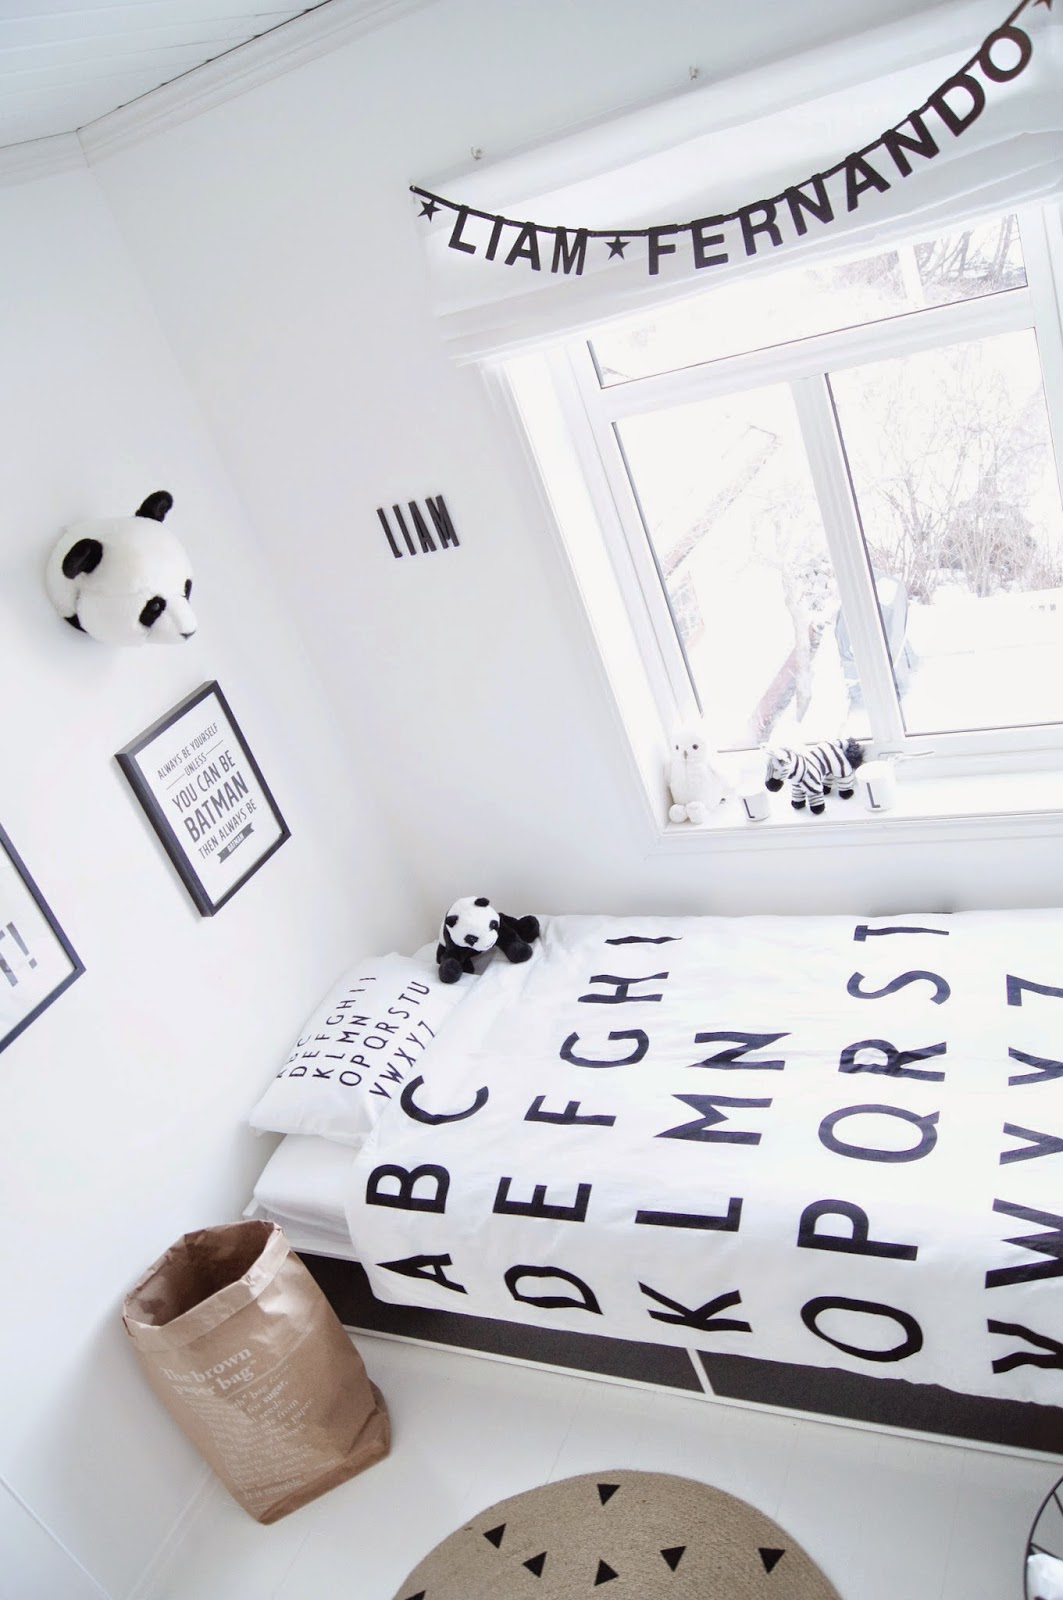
[{"x": 813, "y": 771}]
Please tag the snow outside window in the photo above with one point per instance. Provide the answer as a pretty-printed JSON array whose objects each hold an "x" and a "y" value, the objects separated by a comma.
[{"x": 830, "y": 500}]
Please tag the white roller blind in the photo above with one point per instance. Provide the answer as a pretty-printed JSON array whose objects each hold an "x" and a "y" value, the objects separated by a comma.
[{"x": 723, "y": 149}]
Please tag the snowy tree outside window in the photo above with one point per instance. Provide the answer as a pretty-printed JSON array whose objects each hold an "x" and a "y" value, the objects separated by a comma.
[{"x": 798, "y": 447}]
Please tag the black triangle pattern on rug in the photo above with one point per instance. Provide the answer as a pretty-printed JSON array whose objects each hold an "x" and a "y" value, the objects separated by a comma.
[{"x": 657, "y": 1495}]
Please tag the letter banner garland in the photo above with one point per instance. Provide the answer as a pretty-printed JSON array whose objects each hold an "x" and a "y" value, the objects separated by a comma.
[
  {"x": 813, "y": 1140},
  {"x": 953, "y": 107}
]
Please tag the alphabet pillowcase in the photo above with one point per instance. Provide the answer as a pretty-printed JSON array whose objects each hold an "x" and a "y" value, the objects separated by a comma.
[{"x": 358, "y": 1048}]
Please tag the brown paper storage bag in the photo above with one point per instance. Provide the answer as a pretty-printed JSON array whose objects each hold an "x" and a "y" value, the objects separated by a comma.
[{"x": 243, "y": 1349}]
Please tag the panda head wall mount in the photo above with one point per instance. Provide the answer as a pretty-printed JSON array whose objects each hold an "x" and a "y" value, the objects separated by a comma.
[{"x": 124, "y": 580}]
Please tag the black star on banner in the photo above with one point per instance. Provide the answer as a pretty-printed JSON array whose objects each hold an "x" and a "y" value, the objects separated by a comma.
[
  {"x": 429, "y": 209},
  {"x": 771, "y": 1558},
  {"x": 605, "y": 1574},
  {"x": 617, "y": 246}
]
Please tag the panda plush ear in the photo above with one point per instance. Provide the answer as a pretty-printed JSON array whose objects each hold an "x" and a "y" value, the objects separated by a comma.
[
  {"x": 84, "y": 555},
  {"x": 156, "y": 505}
]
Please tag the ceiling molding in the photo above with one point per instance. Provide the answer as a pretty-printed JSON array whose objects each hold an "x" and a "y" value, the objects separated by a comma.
[
  {"x": 40, "y": 158},
  {"x": 245, "y": 67}
]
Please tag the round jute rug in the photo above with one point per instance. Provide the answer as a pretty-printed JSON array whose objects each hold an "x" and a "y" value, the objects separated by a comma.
[{"x": 612, "y": 1534}]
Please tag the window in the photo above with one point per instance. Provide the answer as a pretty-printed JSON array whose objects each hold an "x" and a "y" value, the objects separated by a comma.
[{"x": 831, "y": 495}]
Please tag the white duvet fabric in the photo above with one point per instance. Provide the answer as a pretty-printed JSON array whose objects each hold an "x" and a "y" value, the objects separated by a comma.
[
  {"x": 834, "y": 1141},
  {"x": 1044, "y": 1577}
]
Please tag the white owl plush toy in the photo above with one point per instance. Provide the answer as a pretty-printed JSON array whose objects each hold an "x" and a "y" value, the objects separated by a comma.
[{"x": 695, "y": 778}]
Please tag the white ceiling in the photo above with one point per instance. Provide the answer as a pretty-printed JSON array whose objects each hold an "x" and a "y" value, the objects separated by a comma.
[{"x": 65, "y": 62}]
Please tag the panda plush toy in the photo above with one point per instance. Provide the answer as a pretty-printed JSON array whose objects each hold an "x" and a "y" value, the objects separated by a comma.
[
  {"x": 124, "y": 580},
  {"x": 472, "y": 927}
]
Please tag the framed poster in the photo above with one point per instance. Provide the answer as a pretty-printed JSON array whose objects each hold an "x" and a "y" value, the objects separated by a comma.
[
  {"x": 37, "y": 960},
  {"x": 205, "y": 796}
]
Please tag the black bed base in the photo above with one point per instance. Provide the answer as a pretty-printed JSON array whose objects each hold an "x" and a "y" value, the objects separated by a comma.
[{"x": 829, "y": 1392}]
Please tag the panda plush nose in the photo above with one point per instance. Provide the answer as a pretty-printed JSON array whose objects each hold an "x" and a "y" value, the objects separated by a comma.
[{"x": 470, "y": 938}]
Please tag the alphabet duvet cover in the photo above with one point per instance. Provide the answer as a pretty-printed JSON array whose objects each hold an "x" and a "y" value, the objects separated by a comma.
[{"x": 832, "y": 1141}]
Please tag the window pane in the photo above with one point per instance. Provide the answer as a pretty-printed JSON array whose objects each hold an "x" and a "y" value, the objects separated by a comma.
[
  {"x": 951, "y": 461},
  {"x": 729, "y": 509},
  {"x": 795, "y": 304}
]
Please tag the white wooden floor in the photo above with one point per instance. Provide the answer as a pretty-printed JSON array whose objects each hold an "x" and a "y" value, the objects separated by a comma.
[{"x": 886, "y": 1517}]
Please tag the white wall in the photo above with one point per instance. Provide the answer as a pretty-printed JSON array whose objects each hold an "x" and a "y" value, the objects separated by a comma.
[
  {"x": 277, "y": 239},
  {"x": 121, "y": 1106},
  {"x": 278, "y": 242}
]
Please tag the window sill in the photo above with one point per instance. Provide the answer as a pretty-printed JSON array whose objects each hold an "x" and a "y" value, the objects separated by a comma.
[{"x": 990, "y": 807}]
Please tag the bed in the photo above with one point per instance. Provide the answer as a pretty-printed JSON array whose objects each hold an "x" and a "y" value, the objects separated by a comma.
[{"x": 809, "y": 1162}]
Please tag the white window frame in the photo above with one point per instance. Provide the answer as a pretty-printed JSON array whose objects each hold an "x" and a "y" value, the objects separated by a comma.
[{"x": 586, "y": 413}]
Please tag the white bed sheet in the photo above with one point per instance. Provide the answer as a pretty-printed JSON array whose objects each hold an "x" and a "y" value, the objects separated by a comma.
[
  {"x": 304, "y": 1187},
  {"x": 808, "y": 1139}
]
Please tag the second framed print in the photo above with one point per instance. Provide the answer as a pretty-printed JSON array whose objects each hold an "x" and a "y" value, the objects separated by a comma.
[
  {"x": 37, "y": 960},
  {"x": 205, "y": 796}
]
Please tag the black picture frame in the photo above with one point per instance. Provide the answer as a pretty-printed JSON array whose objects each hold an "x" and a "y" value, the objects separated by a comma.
[
  {"x": 205, "y": 796},
  {"x": 37, "y": 960}
]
